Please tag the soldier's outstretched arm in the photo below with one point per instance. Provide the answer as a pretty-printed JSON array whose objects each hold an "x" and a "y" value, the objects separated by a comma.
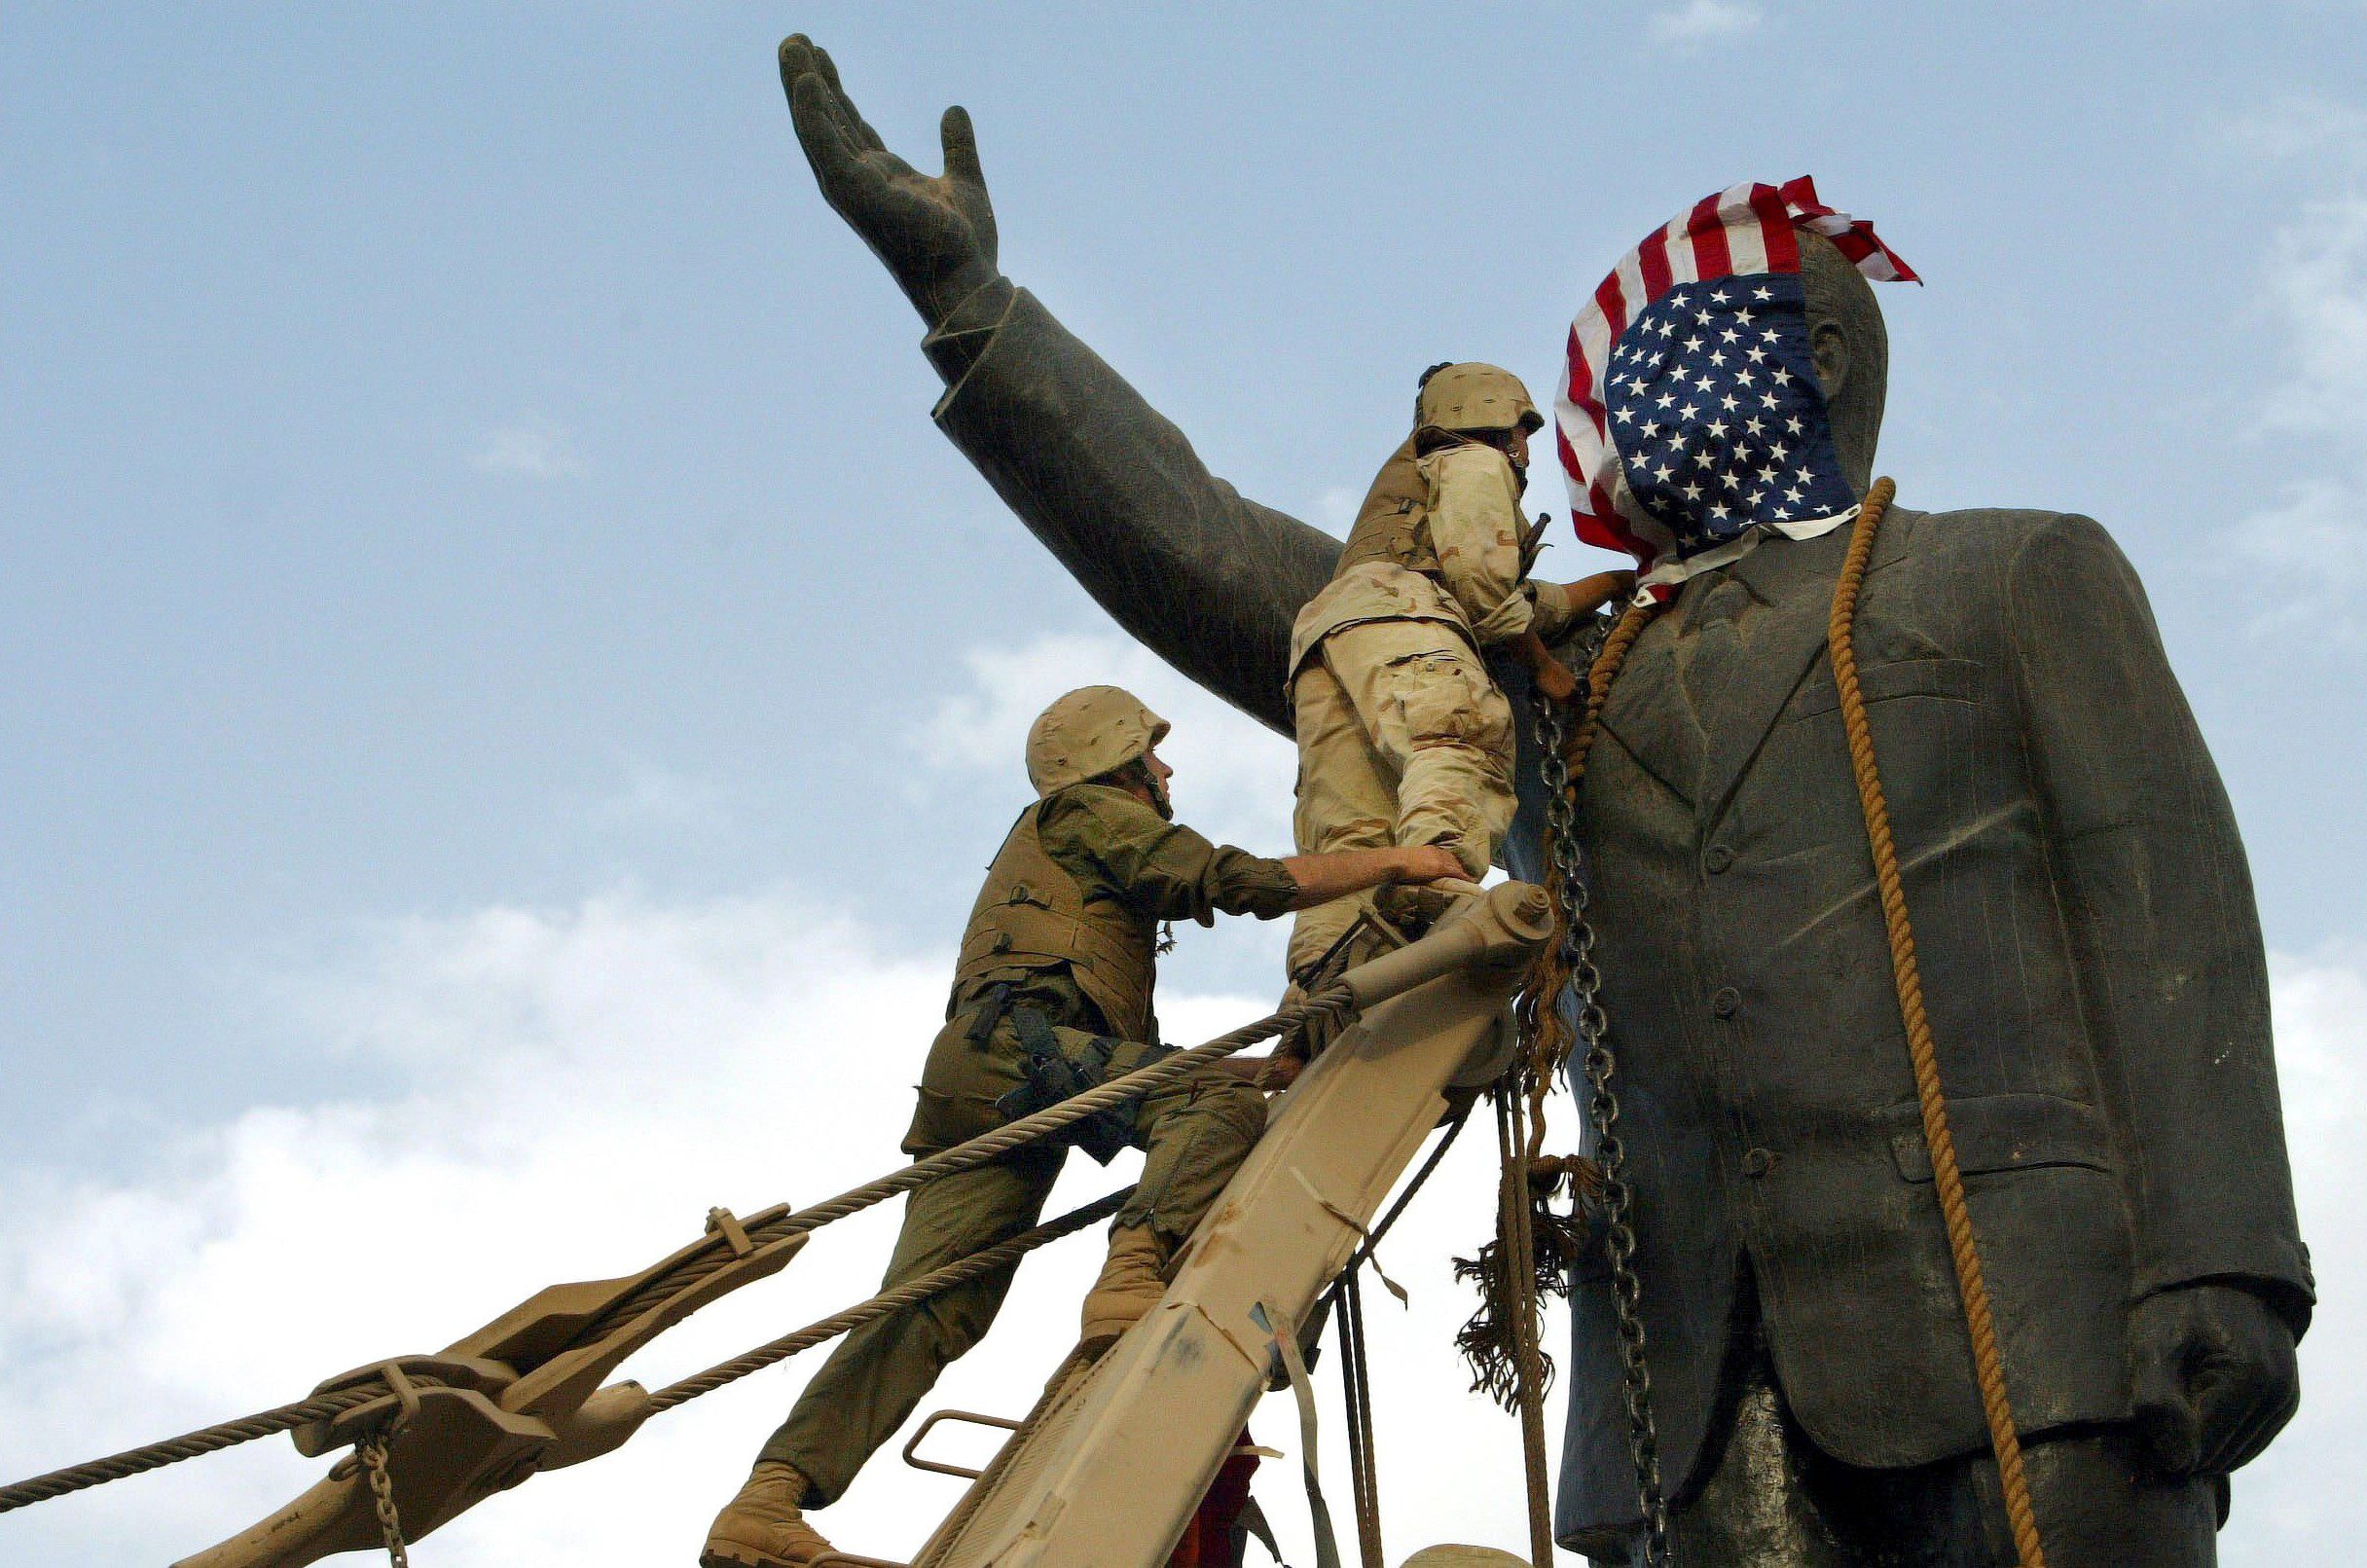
[{"x": 1207, "y": 580}]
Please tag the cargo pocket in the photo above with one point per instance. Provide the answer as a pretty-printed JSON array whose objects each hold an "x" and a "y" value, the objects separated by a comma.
[
  {"x": 940, "y": 1120},
  {"x": 1447, "y": 703}
]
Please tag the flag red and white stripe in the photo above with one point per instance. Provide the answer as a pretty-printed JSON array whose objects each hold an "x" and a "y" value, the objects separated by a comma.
[{"x": 1742, "y": 230}]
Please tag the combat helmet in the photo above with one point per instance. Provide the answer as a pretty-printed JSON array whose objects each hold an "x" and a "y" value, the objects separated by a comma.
[
  {"x": 1085, "y": 734},
  {"x": 1473, "y": 396}
]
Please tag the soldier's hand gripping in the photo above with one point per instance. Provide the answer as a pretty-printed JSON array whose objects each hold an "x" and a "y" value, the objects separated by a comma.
[
  {"x": 934, "y": 232},
  {"x": 1552, "y": 677},
  {"x": 1429, "y": 863},
  {"x": 1322, "y": 877}
]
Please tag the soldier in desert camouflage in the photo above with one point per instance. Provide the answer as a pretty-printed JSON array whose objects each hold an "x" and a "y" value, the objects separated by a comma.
[{"x": 1403, "y": 735}]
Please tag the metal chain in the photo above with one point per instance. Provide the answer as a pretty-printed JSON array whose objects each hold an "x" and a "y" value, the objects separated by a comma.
[
  {"x": 1597, "y": 1062},
  {"x": 373, "y": 1454}
]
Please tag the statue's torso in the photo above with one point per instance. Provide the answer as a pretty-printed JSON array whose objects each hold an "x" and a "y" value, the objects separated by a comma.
[{"x": 1747, "y": 979}]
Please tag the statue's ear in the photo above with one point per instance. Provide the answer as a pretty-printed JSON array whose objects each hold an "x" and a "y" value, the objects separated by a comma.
[{"x": 1828, "y": 349}]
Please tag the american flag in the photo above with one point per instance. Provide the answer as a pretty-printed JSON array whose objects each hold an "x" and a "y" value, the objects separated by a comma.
[{"x": 1690, "y": 366}]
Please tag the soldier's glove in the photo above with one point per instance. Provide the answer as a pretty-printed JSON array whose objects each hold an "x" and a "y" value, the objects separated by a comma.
[
  {"x": 2212, "y": 1377},
  {"x": 935, "y": 234}
]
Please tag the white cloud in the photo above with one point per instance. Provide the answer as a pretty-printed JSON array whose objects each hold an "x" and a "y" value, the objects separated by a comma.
[
  {"x": 1700, "y": 22},
  {"x": 2313, "y": 537},
  {"x": 2313, "y": 547},
  {"x": 2300, "y": 1502},
  {"x": 2317, "y": 288},
  {"x": 2303, "y": 124},
  {"x": 589, "y": 1081},
  {"x": 584, "y": 1082},
  {"x": 653, "y": 797},
  {"x": 533, "y": 448}
]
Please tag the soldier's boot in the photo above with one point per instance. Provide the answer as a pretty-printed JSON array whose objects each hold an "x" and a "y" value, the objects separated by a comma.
[
  {"x": 765, "y": 1525},
  {"x": 1130, "y": 1285}
]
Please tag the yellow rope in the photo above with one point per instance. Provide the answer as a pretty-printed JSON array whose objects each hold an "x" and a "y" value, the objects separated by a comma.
[{"x": 1946, "y": 1178}]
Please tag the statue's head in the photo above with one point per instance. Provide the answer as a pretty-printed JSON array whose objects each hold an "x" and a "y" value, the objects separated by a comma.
[
  {"x": 1727, "y": 380},
  {"x": 1851, "y": 351}
]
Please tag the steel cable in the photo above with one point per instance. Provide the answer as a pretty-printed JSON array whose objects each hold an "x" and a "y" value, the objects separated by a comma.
[
  {"x": 889, "y": 1302},
  {"x": 1335, "y": 1003}
]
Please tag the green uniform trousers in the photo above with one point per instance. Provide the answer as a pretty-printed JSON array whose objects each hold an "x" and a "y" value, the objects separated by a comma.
[{"x": 1193, "y": 1134}]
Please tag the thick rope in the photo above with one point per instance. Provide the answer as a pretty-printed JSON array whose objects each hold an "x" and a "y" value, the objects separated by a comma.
[
  {"x": 1000, "y": 1255},
  {"x": 187, "y": 1445},
  {"x": 1947, "y": 1179},
  {"x": 983, "y": 1149},
  {"x": 1336, "y": 1002},
  {"x": 1519, "y": 1252},
  {"x": 1551, "y": 974}
]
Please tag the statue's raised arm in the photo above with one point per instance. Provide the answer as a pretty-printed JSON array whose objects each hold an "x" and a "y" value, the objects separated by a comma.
[{"x": 1206, "y": 579}]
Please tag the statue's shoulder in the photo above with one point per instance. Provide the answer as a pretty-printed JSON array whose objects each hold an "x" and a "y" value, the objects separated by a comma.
[{"x": 1978, "y": 538}]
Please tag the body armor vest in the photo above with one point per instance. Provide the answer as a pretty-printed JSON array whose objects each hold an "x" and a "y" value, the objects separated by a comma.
[
  {"x": 1394, "y": 523},
  {"x": 1031, "y": 915}
]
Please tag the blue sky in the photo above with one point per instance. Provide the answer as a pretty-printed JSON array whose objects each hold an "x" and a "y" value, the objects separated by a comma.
[{"x": 484, "y": 607}]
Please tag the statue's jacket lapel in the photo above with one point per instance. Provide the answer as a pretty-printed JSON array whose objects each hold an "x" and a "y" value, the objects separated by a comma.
[
  {"x": 1647, "y": 715},
  {"x": 1794, "y": 581}
]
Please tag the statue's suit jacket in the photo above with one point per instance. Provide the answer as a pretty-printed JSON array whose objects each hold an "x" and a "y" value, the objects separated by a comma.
[
  {"x": 2090, "y": 959},
  {"x": 2084, "y": 919}
]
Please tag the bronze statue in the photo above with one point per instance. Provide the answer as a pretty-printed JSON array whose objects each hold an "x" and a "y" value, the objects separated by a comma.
[{"x": 2085, "y": 922}]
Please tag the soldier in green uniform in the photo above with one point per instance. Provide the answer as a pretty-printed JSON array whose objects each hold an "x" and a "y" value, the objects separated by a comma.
[{"x": 1052, "y": 994}]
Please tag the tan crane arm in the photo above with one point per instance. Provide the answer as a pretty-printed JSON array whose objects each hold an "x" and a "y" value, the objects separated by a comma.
[{"x": 1111, "y": 1470}]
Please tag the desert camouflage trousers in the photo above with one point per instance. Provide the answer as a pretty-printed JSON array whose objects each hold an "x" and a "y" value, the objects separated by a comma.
[
  {"x": 1194, "y": 1134},
  {"x": 1404, "y": 738}
]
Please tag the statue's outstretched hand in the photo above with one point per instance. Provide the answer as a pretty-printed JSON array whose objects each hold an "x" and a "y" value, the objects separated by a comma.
[{"x": 935, "y": 234}]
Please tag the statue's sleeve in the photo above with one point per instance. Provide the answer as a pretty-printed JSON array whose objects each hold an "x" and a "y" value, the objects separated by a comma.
[
  {"x": 2173, "y": 974},
  {"x": 1206, "y": 579}
]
